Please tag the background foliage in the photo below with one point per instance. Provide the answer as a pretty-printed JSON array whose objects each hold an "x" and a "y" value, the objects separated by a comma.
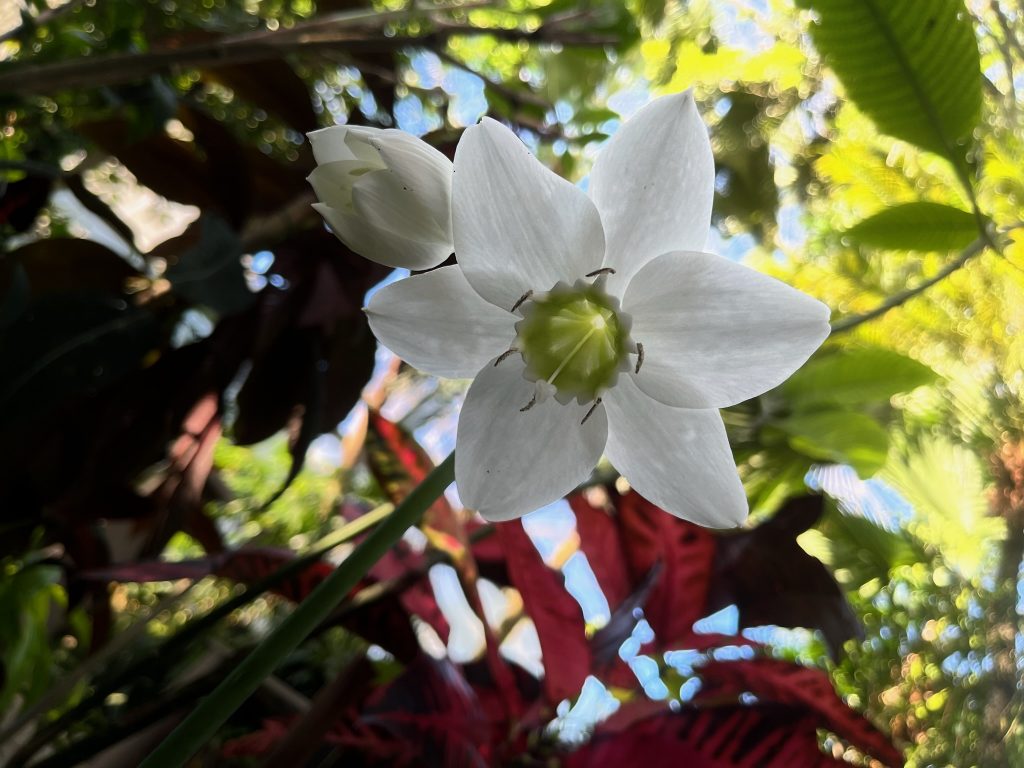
[{"x": 196, "y": 424}]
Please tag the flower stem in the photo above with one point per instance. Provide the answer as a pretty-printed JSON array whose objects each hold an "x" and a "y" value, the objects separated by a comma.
[{"x": 202, "y": 723}]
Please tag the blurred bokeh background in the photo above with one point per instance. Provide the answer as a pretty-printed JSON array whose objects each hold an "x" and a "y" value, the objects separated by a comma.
[{"x": 196, "y": 423}]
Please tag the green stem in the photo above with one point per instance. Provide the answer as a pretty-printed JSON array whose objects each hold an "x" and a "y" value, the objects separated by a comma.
[{"x": 203, "y": 722}]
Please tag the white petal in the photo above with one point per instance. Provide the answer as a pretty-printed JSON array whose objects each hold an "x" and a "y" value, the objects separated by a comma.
[
  {"x": 380, "y": 245},
  {"x": 439, "y": 324},
  {"x": 517, "y": 225},
  {"x": 425, "y": 171},
  {"x": 388, "y": 201},
  {"x": 653, "y": 183},
  {"x": 716, "y": 333},
  {"x": 403, "y": 150},
  {"x": 333, "y": 182},
  {"x": 675, "y": 457},
  {"x": 344, "y": 142},
  {"x": 509, "y": 463}
]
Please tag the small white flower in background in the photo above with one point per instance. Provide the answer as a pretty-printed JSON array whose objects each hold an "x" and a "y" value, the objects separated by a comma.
[
  {"x": 594, "y": 324},
  {"x": 385, "y": 194}
]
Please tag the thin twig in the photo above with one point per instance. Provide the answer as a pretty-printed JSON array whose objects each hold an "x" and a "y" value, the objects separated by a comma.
[
  {"x": 898, "y": 299},
  {"x": 514, "y": 96},
  {"x": 267, "y": 231},
  {"x": 94, "y": 71}
]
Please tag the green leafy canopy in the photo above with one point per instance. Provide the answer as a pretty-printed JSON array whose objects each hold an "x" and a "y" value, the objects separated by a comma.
[{"x": 911, "y": 65}]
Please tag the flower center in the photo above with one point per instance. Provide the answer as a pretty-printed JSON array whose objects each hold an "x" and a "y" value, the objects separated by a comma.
[{"x": 575, "y": 339}]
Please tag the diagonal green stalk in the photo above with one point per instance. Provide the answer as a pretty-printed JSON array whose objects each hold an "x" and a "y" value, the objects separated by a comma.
[{"x": 203, "y": 722}]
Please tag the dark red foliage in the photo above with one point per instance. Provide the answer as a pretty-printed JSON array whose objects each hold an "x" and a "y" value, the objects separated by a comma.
[
  {"x": 775, "y": 727},
  {"x": 567, "y": 658},
  {"x": 399, "y": 464},
  {"x": 428, "y": 715},
  {"x": 769, "y": 736},
  {"x": 782, "y": 682}
]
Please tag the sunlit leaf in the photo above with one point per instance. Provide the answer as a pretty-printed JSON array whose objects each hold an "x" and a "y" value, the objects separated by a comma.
[
  {"x": 917, "y": 227},
  {"x": 843, "y": 437},
  {"x": 911, "y": 65},
  {"x": 855, "y": 376}
]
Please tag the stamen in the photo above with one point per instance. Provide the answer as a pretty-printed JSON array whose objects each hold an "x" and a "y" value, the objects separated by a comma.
[
  {"x": 592, "y": 409},
  {"x": 639, "y": 356},
  {"x": 601, "y": 271},
  {"x": 504, "y": 356},
  {"x": 529, "y": 405},
  {"x": 522, "y": 299}
]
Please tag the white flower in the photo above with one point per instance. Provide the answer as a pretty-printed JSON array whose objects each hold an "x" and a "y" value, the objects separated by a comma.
[
  {"x": 632, "y": 363},
  {"x": 385, "y": 194}
]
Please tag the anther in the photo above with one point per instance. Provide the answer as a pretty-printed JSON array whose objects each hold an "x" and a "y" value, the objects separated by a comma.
[
  {"x": 529, "y": 405},
  {"x": 639, "y": 356},
  {"x": 504, "y": 356},
  {"x": 592, "y": 409},
  {"x": 522, "y": 299},
  {"x": 601, "y": 271}
]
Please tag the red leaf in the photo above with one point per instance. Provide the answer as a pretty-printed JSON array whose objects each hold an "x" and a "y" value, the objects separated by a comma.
[
  {"x": 782, "y": 682},
  {"x": 399, "y": 464},
  {"x": 559, "y": 621},
  {"x": 432, "y": 710},
  {"x": 721, "y": 737},
  {"x": 599, "y": 540},
  {"x": 686, "y": 551}
]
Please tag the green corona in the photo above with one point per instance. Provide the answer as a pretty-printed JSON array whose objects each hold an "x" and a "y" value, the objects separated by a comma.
[{"x": 574, "y": 338}]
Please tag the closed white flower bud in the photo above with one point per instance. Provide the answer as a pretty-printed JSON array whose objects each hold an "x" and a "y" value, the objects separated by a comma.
[{"x": 386, "y": 194}]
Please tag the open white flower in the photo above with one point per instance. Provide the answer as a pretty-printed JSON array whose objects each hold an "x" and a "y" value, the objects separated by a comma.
[
  {"x": 594, "y": 324},
  {"x": 385, "y": 194}
]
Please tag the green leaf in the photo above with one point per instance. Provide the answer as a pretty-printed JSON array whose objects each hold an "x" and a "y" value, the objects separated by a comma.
[
  {"x": 211, "y": 272},
  {"x": 917, "y": 227},
  {"x": 210, "y": 713},
  {"x": 845, "y": 438},
  {"x": 946, "y": 484},
  {"x": 858, "y": 550},
  {"x": 911, "y": 65},
  {"x": 857, "y": 376}
]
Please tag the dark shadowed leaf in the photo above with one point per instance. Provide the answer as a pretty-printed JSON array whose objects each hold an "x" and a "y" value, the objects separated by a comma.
[
  {"x": 210, "y": 272},
  {"x": 66, "y": 265},
  {"x": 21, "y": 201},
  {"x": 15, "y": 291},
  {"x": 62, "y": 347},
  {"x": 772, "y": 580}
]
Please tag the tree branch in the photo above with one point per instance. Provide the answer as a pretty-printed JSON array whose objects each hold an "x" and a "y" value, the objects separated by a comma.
[
  {"x": 898, "y": 299},
  {"x": 360, "y": 31}
]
